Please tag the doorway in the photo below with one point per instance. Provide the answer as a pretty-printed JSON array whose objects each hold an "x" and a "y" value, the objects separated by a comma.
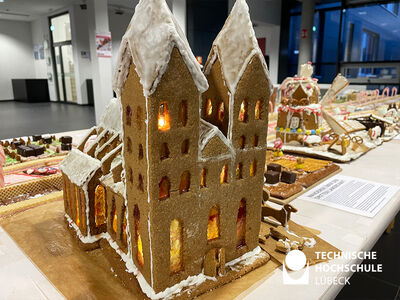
[{"x": 63, "y": 59}]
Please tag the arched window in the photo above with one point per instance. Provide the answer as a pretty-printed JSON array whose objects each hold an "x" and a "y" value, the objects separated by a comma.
[
  {"x": 185, "y": 147},
  {"x": 164, "y": 187},
  {"x": 241, "y": 225},
  {"x": 257, "y": 110},
  {"x": 128, "y": 115},
  {"x": 114, "y": 216},
  {"x": 164, "y": 121},
  {"x": 243, "y": 112},
  {"x": 239, "y": 167},
  {"x": 209, "y": 108},
  {"x": 130, "y": 175},
  {"x": 223, "y": 177},
  {"x": 140, "y": 152},
  {"x": 213, "y": 223},
  {"x": 139, "y": 117},
  {"x": 253, "y": 168},
  {"x": 138, "y": 238},
  {"x": 129, "y": 144},
  {"x": 183, "y": 112},
  {"x": 99, "y": 205},
  {"x": 203, "y": 182},
  {"x": 220, "y": 112},
  {"x": 255, "y": 140},
  {"x": 184, "y": 186},
  {"x": 164, "y": 151},
  {"x": 124, "y": 235},
  {"x": 242, "y": 141},
  {"x": 176, "y": 245},
  {"x": 140, "y": 183}
]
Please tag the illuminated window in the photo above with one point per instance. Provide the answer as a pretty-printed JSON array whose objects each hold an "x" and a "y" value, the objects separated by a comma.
[
  {"x": 129, "y": 145},
  {"x": 140, "y": 184},
  {"x": 114, "y": 216},
  {"x": 253, "y": 168},
  {"x": 185, "y": 182},
  {"x": 239, "y": 167},
  {"x": 243, "y": 112},
  {"x": 209, "y": 107},
  {"x": 183, "y": 113},
  {"x": 257, "y": 110},
  {"x": 213, "y": 223},
  {"x": 175, "y": 235},
  {"x": 241, "y": 225},
  {"x": 138, "y": 238},
  {"x": 203, "y": 177},
  {"x": 78, "y": 221},
  {"x": 164, "y": 122},
  {"x": 124, "y": 235},
  {"x": 221, "y": 111},
  {"x": 255, "y": 140},
  {"x": 139, "y": 117},
  {"x": 242, "y": 142},
  {"x": 223, "y": 177},
  {"x": 185, "y": 147},
  {"x": 164, "y": 187},
  {"x": 140, "y": 151},
  {"x": 128, "y": 115},
  {"x": 164, "y": 151},
  {"x": 99, "y": 205}
]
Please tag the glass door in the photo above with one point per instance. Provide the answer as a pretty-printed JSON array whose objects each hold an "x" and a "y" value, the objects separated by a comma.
[{"x": 63, "y": 57}]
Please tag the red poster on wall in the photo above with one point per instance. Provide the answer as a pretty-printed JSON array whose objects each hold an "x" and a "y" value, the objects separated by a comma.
[
  {"x": 103, "y": 45},
  {"x": 262, "y": 43}
]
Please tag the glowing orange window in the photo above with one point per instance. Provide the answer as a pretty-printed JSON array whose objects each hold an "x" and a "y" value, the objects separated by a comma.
[
  {"x": 124, "y": 235},
  {"x": 253, "y": 167},
  {"x": 176, "y": 245},
  {"x": 239, "y": 167},
  {"x": 220, "y": 111},
  {"x": 184, "y": 186},
  {"x": 138, "y": 238},
  {"x": 164, "y": 187},
  {"x": 99, "y": 205},
  {"x": 114, "y": 217},
  {"x": 223, "y": 177},
  {"x": 257, "y": 110},
  {"x": 243, "y": 112},
  {"x": 78, "y": 221},
  {"x": 213, "y": 223},
  {"x": 164, "y": 121},
  {"x": 209, "y": 108},
  {"x": 203, "y": 177},
  {"x": 241, "y": 225}
]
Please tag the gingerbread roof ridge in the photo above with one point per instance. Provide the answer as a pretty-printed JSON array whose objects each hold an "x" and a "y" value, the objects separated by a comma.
[
  {"x": 149, "y": 40},
  {"x": 235, "y": 46},
  {"x": 79, "y": 167},
  {"x": 111, "y": 118},
  {"x": 207, "y": 132}
]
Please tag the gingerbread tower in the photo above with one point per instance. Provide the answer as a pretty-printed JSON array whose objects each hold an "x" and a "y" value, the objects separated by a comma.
[{"x": 299, "y": 114}]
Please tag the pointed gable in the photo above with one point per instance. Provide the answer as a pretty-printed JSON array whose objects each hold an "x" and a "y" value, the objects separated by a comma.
[
  {"x": 235, "y": 46},
  {"x": 151, "y": 35}
]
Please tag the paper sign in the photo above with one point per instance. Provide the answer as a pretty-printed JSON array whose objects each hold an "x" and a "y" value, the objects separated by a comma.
[
  {"x": 352, "y": 194},
  {"x": 103, "y": 45}
]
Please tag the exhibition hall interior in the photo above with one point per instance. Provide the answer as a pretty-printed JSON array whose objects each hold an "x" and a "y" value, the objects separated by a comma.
[{"x": 219, "y": 149}]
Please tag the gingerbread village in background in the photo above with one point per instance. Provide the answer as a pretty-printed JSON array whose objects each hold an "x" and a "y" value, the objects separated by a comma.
[{"x": 172, "y": 189}]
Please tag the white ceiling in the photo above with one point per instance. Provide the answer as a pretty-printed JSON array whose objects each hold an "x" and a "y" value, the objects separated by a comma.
[{"x": 29, "y": 10}]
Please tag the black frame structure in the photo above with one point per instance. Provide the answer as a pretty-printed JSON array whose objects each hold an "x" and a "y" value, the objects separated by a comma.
[
  {"x": 341, "y": 65},
  {"x": 53, "y": 45}
]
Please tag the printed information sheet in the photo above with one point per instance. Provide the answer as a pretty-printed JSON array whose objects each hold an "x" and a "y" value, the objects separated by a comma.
[{"x": 352, "y": 194}]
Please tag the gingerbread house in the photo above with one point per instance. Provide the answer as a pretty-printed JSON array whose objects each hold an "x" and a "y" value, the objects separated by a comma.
[
  {"x": 178, "y": 195},
  {"x": 299, "y": 114}
]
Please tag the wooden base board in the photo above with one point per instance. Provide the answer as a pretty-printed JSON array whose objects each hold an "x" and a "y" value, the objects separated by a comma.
[
  {"x": 290, "y": 199},
  {"x": 130, "y": 282},
  {"x": 10, "y": 209}
]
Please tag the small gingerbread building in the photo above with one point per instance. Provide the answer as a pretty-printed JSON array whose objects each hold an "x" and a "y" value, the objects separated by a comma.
[
  {"x": 299, "y": 114},
  {"x": 179, "y": 193}
]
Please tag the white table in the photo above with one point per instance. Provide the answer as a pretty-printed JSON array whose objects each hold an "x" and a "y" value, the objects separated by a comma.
[{"x": 346, "y": 231}]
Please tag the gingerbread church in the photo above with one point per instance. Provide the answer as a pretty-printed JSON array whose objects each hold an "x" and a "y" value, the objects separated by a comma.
[
  {"x": 171, "y": 180},
  {"x": 299, "y": 114}
]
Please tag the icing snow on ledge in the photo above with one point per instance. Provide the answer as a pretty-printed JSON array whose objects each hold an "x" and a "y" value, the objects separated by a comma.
[{"x": 151, "y": 35}]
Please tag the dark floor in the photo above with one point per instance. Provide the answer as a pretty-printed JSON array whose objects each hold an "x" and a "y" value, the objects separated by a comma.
[
  {"x": 23, "y": 119},
  {"x": 385, "y": 285}
]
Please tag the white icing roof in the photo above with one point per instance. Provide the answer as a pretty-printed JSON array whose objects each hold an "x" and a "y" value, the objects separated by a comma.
[
  {"x": 151, "y": 35},
  {"x": 235, "y": 45},
  {"x": 79, "y": 167},
  {"x": 111, "y": 118}
]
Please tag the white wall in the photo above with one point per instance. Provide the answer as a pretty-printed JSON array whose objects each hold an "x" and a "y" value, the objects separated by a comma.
[
  {"x": 38, "y": 38},
  {"x": 16, "y": 55}
]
